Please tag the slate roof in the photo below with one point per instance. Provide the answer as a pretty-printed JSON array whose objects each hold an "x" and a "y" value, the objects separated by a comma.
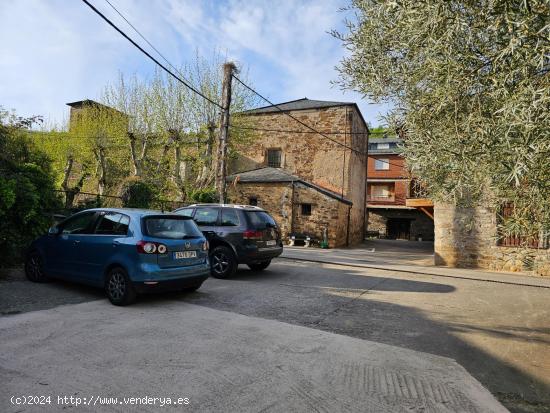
[
  {"x": 299, "y": 104},
  {"x": 268, "y": 174},
  {"x": 389, "y": 139},
  {"x": 89, "y": 102},
  {"x": 303, "y": 104},
  {"x": 394, "y": 143}
]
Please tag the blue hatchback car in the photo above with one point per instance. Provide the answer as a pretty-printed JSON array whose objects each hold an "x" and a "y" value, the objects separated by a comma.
[{"x": 124, "y": 251}]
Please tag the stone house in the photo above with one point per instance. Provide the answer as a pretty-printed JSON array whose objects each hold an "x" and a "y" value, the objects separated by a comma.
[
  {"x": 389, "y": 189},
  {"x": 310, "y": 183}
]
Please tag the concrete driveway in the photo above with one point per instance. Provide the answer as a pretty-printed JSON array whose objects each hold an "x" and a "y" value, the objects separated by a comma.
[
  {"x": 498, "y": 332},
  {"x": 220, "y": 361}
]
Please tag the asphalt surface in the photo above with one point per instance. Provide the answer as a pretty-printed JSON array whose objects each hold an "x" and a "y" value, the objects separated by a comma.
[{"x": 499, "y": 333}]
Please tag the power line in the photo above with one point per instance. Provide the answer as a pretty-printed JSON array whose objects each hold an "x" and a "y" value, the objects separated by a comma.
[
  {"x": 296, "y": 119},
  {"x": 296, "y": 131},
  {"x": 147, "y": 41},
  {"x": 149, "y": 56}
]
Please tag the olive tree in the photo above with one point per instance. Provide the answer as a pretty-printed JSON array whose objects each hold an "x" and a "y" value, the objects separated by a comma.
[{"x": 469, "y": 81}]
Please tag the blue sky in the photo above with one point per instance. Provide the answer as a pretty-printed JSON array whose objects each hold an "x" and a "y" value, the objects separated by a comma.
[{"x": 58, "y": 51}]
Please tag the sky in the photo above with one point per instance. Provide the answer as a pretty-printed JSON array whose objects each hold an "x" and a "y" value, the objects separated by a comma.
[{"x": 58, "y": 51}]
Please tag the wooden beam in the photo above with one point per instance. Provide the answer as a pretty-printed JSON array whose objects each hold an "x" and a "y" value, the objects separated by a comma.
[
  {"x": 419, "y": 202},
  {"x": 427, "y": 212}
]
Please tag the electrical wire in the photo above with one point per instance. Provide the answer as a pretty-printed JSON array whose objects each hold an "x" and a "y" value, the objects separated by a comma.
[
  {"x": 178, "y": 71},
  {"x": 297, "y": 131},
  {"x": 296, "y": 119},
  {"x": 149, "y": 55}
]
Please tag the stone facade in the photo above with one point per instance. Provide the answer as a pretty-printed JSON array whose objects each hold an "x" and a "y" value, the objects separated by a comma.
[
  {"x": 318, "y": 160},
  {"x": 283, "y": 200},
  {"x": 467, "y": 237}
]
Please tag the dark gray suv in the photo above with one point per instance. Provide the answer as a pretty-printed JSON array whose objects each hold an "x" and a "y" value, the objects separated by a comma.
[{"x": 238, "y": 234}]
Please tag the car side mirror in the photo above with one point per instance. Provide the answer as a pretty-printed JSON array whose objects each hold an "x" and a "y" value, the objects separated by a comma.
[{"x": 55, "y": 230}]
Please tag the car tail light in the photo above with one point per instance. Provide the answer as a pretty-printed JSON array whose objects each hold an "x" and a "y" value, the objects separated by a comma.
[
  {"x": 147, "y": 247},
  {"x": 252, "y": 234},
  {"x": 205, "y": 246}
]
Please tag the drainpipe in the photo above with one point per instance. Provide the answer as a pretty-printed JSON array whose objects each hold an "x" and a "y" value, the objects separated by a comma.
[
  {"x": 292, "y": 210},
  {"x": 365, "y": 210},
  {"x": 347, "y": 228}
]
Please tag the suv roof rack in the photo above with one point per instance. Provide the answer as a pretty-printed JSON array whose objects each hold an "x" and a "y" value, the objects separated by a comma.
[{"x": 240, "y": 206}]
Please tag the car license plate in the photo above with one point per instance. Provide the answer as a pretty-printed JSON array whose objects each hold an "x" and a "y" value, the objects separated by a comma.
[
  {"x": 271, "y": 243},
  {"x": 185, "y": 254}
]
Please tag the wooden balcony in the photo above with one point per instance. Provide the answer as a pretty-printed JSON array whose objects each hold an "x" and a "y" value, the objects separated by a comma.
[
  {"x": 419, "y": 202},
  {"x": 422, "y": 204}
]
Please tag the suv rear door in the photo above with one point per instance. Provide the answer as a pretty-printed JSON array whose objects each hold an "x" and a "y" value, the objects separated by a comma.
[{"x": 262, "y": 222}]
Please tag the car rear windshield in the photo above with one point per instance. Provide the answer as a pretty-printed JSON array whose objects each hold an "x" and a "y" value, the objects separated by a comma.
[
  {"x": 171, "y": 227},
  {"x": 260, "y": 219}
]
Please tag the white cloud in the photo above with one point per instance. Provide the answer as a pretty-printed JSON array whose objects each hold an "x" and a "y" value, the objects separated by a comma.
[{"x": 57, "y": 51}]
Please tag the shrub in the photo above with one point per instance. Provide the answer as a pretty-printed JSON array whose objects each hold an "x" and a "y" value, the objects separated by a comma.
[
  {"x": 136, "y": 193},
  {"x": 206, "y": 195},
  {"x": 27, "y": 191}
]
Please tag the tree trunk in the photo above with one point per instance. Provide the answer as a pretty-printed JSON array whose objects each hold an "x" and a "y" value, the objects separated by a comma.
[
  {"x": 102, "y": 166},
  {"x": 206, "y": 175},
  {"x": 136, "y": 162},
  {"x": 67, "y": 173}
]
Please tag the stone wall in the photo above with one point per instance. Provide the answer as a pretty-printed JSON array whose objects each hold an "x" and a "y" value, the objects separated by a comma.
[
  {"x": 467, "y": 237},
  {"x": 314, "y": 158},
  {"x": 276, "y": 198},
  {"x": 325, "y": 212},
  {"x": 273, "y": 197}
]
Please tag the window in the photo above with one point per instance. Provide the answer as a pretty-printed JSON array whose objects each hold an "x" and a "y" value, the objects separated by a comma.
[
  {"x": 79, "y": 224},
  {"x": 112, "y": 223},
  {"x": 274, "y": 158},
  {"x": 171, "y": 228},
  {"x": 230, "y": 217},
  {"x": 187, "y": 212},
  {"x": 380, "y": 191},
  {"x": 382, "y": 164},
  {"x": 260, "y": 219},
  {"x": 306, "y": 209},
  {"x": 206, "y": 216},
  {"x": 383, "y": 146},
  {"x": 253, "y": 201}
]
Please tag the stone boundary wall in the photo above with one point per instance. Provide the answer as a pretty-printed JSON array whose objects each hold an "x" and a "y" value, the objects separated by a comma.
[{"x": 467, "y": 238}]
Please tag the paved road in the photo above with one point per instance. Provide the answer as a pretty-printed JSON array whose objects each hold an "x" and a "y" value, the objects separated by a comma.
[{"x": 499, "y": 333}]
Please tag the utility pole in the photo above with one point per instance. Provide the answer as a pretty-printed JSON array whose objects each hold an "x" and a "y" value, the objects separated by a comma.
[{"x": 228, "y": 69}]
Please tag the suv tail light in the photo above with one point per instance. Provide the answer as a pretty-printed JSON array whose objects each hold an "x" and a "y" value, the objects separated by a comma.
[
  {"x": 148, "y": 247},
  {"x": 252, "y": 234}
]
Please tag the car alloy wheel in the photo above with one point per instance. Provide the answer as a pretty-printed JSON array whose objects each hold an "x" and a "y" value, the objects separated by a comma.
[
  {"x": 223, "y": 263},
  {"x": 220, "y": 262},
  {"x": 34, "y": 268},
  {"x": 116, "y": 286},
  {"x": 119, "y": 288}
]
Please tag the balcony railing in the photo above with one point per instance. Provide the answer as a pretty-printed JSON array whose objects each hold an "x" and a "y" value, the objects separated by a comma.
[{"x": 388, "y": 198}]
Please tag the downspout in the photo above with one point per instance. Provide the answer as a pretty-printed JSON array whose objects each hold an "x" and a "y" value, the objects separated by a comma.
[
  {"x": 365, "y": 209},
  {"x": 344, "y": 161},
  {"x": 347, "y": 227},
  {"x": 292, "y": 210}
]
